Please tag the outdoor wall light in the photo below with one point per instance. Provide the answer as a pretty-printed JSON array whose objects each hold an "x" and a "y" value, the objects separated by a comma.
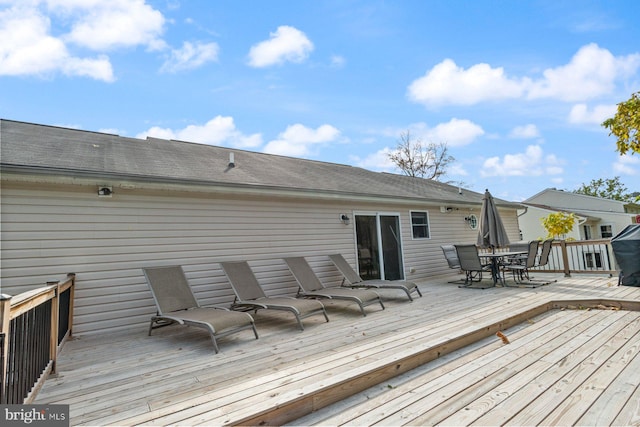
[
  {"x": 104, "y": 191},
  {"x": 345, "y": 219}
]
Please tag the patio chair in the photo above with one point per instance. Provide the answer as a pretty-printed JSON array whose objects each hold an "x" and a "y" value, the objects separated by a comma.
[
  {"x": 355, "y": 281},
  {"x": 518, "y": 246},
  {"x": 249, "y": 295},
  {"x": 471, "y": 265},
  {"x": 451, "y": 256},
  {"x": 311, "y": 287},
  {"x": 176, "y": 303},
  {"x": 542, "y": 261},
  {"x": 519, "y": 267},
  {"x": 544, "y": 254}
]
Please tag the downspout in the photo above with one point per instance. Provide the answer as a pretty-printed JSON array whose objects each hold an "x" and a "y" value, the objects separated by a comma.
[{"x": 526, "y": 208}]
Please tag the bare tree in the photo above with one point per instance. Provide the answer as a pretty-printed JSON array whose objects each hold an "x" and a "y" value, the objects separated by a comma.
[{"x": 415, "y": 158}]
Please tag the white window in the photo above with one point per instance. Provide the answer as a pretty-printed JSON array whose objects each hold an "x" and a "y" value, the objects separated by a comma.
[
  {"x": 606, "y": 231},
  {"x": 420, "y": 224},
  {"x": 587, "y": 232}
]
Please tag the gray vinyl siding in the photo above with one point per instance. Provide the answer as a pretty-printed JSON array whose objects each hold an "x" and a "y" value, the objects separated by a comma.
[
  {"x": 51, "y": 231},
  {"x": 106, "y": 242},
  {"x": 425, "y": 255}
]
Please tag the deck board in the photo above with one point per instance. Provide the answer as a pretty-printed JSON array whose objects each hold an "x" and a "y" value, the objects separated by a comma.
[
  {"x": 174, "y": 377},
  {"x": 552, "y": 381},
  {"x": 491, "y": 371}
]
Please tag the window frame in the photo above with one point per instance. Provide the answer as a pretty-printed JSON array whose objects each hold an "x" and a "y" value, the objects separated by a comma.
[
  {"x": 610, "y": 227},
  {"x": 426, "y": 225},
  {"x": 593, "y": 260},
  {"x": 473, "y": 224}
]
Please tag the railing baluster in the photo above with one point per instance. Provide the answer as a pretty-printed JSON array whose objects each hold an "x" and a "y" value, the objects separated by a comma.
[
  {"x": 30, "y": 325},
  {"x": 593, "y": 256}
]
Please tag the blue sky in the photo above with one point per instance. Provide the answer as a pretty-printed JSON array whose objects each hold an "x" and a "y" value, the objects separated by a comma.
[{"x": 516, "y": 89}]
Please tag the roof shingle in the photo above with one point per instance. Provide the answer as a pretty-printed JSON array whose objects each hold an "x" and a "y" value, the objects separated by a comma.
[{"x": 77, "y": 152}]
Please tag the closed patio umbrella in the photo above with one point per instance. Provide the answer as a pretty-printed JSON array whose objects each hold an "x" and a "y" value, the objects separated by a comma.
[{"x": 492, "y": 233}]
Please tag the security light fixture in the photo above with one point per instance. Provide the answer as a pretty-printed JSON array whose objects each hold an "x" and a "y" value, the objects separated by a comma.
[{"x": 105, "y": 191}]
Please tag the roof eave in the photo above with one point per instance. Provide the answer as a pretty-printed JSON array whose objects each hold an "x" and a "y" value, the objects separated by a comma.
[{"x": 132, "y": 181}]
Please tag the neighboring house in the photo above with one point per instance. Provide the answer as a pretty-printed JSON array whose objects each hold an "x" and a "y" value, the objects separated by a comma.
[
  {"x": 596, "y": 218},
  {"x": 104, "y": 206}
]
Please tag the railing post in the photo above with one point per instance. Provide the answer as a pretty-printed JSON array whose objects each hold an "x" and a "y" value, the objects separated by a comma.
[
  {"x": 53, "y": 341},
  {"x": 610, "y": 256},
  {"x": 565, "y": 258},
  {"x": 72, "y": 297},
  {"x": 5, "y": 322}
]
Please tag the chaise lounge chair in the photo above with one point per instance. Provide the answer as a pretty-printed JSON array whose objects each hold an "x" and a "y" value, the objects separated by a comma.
[
  {"x": 311, "y": 287},
  {"x": 249, "y": 294},
  {"x": 176, "y": 303},
  {"x": 355, "y": 281}
]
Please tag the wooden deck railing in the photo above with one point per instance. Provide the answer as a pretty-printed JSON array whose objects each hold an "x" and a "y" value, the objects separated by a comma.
[
  {"x": 33, "y": 327},
  {"x": 580, "y": 256}
]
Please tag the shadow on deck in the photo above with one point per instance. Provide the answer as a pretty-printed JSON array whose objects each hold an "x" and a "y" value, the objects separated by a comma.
[{"x": 174, "y": 377}]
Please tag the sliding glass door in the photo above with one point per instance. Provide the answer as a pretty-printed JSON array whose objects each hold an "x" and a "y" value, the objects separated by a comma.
[{"x": 379, "y": 246}]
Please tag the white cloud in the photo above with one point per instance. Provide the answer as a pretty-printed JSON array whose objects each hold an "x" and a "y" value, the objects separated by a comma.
[
  {"x": 217, "y": 131},
  {"x": 446, "y": 83},
  {"x": 338, "y": 61},
  {"x": 190, "y": 56},
  {"x": 580, "y": 114},
  {"x": 297, "y": 140},
  {"x": 378, "y": 161},
  {"x": 29, "y": 46},
  {"x": 286, "y": 44},
  {"x": 455, "y": 132},
  {"x": 525, "y": 132},
  {"x": 107, "y": 24},
  {"x": 591, "y": 72},
  {"x": 627, "y": 165},
  {"x": 28, "y": 49},
  {"x": 532, "y": 162},
  {"x": 457, "y": 169}
]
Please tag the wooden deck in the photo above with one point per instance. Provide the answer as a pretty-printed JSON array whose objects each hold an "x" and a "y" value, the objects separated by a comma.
[{"x": 433, "y": 361}]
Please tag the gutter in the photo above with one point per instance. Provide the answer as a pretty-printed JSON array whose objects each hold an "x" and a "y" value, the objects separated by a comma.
[
  {"x": 526, "y": 208},
  {"x": 131, "y": 182},
  {"x": 138, "y": 182}
]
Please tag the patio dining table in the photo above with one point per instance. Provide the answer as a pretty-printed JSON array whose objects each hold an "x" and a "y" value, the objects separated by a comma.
[{"x": 496, "y": 259}]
